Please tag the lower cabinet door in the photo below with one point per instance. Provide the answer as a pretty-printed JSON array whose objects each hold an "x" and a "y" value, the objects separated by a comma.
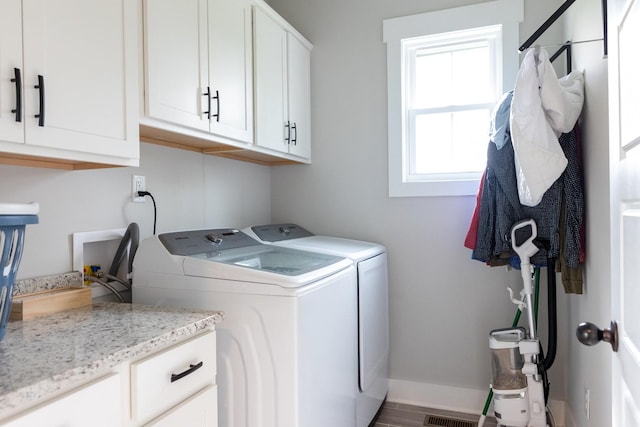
[
  {"x": 200, "y": 410},
  {"x": 97, "y": 405},
  {"x": 166, "y": 379}
]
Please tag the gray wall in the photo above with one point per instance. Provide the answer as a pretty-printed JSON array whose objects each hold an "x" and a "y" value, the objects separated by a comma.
[
  {"x": 442, "y": 303},
  {"x": 191, "y": 191}
]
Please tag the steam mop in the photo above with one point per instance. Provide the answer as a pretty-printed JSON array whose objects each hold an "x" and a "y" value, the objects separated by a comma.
[{"x": 518, "y": 383}]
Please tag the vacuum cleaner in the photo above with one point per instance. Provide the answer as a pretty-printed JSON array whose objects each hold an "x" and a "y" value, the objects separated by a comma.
[{"x": 520, "y": 387}]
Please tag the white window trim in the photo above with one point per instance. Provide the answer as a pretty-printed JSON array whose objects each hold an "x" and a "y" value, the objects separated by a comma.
[{"x": 507, "y": 13}]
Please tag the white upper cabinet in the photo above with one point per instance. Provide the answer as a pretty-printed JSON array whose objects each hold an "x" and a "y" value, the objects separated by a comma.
[
  {"x": 198, "y": 63},
  {"x": 299, "y": 95},
  {"x": 272, "y": 113},
  {"x": 176, "y": 61},
  {"x": 11, "y": 72},
  {"x": 77, "y": 61},
  {"x": 282, "y": 86},
  {"x": 223, "y": 82},
  {"x": 230, "y": 66}
]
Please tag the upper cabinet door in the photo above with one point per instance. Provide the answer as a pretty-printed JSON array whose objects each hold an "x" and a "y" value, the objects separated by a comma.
[
  {"x": 230, "y": 68},
  {"x": 80, "y": 75},
  {"x": 198, "y": 65},
  {"x": 272, "y": 127},
  {"x": 11, "y": 123},
  {"x": 176, "y": 62},
  {"x": 282, "y": 86},
  {"x": 299, "y": 74}
]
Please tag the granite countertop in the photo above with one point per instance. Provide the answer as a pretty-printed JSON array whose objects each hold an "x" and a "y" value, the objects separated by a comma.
[{"x": 42, "y": 356}]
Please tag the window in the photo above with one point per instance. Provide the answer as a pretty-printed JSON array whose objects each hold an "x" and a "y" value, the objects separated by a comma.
[
  {"x": 451, "y": 85},
  {"x": 446, "y": 70}
]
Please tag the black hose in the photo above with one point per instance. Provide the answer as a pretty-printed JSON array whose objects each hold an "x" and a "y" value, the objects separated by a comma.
[
  {"x": 131, "y": 236},
  {"x": 552, "y": 313}
]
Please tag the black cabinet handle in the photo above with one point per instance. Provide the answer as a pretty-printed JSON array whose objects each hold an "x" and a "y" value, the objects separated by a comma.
[
  {"x": 191, "y": 370},
  {"x": 287, "y": 138},
  {"x": 217, "y": 98},
  {"x": 208, "y": 95},
  {"x": 18, "y": 81},
  {"x": 40, "y": 86},
  {"x": 294, "y": 127}
]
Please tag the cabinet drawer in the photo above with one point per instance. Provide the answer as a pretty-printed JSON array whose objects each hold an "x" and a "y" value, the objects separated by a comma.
[
  {"x": 200, "y": 410},
  {"x": 162, "y": 380},
  {"x": 96, "y": 404}
]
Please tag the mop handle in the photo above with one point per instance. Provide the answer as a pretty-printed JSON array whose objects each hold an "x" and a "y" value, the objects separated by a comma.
[{"x": 525, "y": 251}]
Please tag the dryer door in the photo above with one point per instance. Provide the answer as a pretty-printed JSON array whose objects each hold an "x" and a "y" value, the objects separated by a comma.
[{"x": 373, "y": 324}]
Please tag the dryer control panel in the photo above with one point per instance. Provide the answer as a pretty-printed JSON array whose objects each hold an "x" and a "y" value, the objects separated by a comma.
[{"x": 279, "y": 232}]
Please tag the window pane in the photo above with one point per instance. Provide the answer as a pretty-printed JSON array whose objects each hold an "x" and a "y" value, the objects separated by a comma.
[
  {"x": 433, "y": 143},
  {"x": 455, "y": 75},
  {"x": 433, "y": 80},
  {"x": 472, "y": 82},
  {"x": 470, "y": 141},
  {"x": 451, "y": 142}
]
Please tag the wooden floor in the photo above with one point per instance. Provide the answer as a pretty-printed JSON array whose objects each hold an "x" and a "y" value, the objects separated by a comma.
[{"x": 400, "y": 415}]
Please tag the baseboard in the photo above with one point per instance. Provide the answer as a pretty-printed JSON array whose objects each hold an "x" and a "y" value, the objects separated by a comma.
[{"x": 470, "y": 401}]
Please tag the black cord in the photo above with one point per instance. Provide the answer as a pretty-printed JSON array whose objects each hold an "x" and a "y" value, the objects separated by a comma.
[{"x": 155, "y": 210}]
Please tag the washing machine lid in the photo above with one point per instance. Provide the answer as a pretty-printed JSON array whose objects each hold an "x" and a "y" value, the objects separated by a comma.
[
  {"x": 352, "y": 249},
  {"x": 294, "y": 236},
  {"x": 231, "y": 254}
]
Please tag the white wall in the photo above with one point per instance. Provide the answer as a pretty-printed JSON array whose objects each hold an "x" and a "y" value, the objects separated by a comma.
[
  {"x": 442, "y": 304},
  {"x": 191, "y": 191},
  {"x": 590, "y": 367}
]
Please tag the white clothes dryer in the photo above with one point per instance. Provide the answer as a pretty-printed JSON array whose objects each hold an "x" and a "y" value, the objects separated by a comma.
[
  {"x": 370, "y": 260},
  {"x": 286, "y": 356}
]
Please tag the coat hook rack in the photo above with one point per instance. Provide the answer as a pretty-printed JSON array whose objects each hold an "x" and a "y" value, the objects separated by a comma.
[{"x": 566, "y": 47}]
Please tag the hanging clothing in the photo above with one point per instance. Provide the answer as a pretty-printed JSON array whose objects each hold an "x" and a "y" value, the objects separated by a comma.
[
  {"x": 499, "y": 133},
  {"x": 542, "y": 108},
  {"x": 472, "y": 233},
  {"x": 559, "y": 216}
]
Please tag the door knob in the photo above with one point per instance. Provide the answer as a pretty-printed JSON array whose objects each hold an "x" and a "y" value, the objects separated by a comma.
[{"x": 590, "y": 334}]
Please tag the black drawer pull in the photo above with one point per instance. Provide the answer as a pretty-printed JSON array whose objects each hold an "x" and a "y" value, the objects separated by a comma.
[
  {"x": 287, "y": 138},
  {"x": 208, "y": 95},
  {"x": 217, "y": 98},
  {"x": 40, "y": 115},
  {"x": 294, "y": 127},
  {"x": 18, "y": 81},
  {"x": 192, "y": 369}
]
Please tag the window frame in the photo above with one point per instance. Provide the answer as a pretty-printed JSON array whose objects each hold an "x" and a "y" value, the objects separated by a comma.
[
  {"x": 446, "y": 43},
  {"x": 506, "y": 14}
]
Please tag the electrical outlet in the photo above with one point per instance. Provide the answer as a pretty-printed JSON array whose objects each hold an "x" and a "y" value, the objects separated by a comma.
[
  {"x": 587, "y": 402},
  {"x": 138, "y": 183}
]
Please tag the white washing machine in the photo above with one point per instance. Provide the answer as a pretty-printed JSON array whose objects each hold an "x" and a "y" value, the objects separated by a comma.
[
  {"x": 370, "y": 260},
  {"x": 286, "y": 353}
]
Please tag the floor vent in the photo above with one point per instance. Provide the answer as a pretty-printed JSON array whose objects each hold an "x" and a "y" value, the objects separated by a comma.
[{"x": 438, "y": 421}]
